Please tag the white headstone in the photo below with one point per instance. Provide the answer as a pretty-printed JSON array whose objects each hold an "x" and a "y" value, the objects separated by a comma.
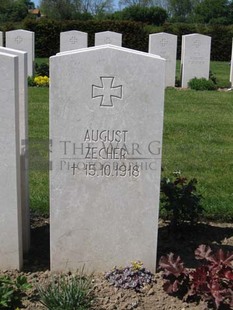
[
  {"x": 10, "y": 207},
  {"x": 23, "y": 124},
  {"x": 108, "y": 37},
  {"x": 195, "y": 57},
  {"x": 72, "y": 40},
  {"x": 23, "y": 40},
  {"x": 165, "y": 45},
  {"x": 231, "y": 73},
  {"x": 1, "y": 38},
  {"x": 106, "y": 128}
]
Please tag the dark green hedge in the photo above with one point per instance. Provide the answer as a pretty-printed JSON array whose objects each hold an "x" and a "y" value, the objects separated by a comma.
[
  {"x": 48, "y": 33},
  {"x": 135, "y": 35},
  {"x": 221, "y": 42}
]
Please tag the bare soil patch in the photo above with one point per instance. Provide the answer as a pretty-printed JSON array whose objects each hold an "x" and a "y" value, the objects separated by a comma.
[{"x": 183, "y": 243}]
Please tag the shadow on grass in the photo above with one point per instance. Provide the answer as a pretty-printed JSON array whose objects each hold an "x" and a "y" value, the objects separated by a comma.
[
  {"x": 184, "y": 242},
  {"x": 38, "y": 258}
]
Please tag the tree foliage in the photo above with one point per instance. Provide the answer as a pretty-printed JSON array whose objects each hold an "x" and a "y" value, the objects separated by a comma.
[
  {"x": 214, "y": 12},
  {"x": 71, "y": 9},
  {"x": 201, "y": 11},
  {"x": 14, "y": 10},
  {"x": 194, "y": 11},
  {"x": 150, "y": 15},
  {"x": 130, "y": 3},
  {"x": 180, "y": 10}
]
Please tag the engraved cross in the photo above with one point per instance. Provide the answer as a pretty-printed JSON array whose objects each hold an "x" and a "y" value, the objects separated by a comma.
[
  {"x": 107, "y": 91},
  {"x": 107, "y": 40},
  {"x": 18, "y": 39},
  {"x": 73, "y": 40},
  {"x": 164, "y": 42},
  {"x": 196, "y": 43}
]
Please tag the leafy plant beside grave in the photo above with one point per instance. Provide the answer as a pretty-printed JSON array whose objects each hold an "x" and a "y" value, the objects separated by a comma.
[
  {"x": 180, "y": 200},
  {"x": 135, "y": 276},
  {"x": 202, "y": 84},
  {"x": 41, "y": 81},
  {"x": 72, "y": 291},
  {"x": 211, "y": 281},
  {"x": 41, "y": 78},
  {"x": 12, "y": 291},
  {"x": 42, "y": 69},
  {"x": 213, "y": 77},
  {"x": 38, "y": 81}
]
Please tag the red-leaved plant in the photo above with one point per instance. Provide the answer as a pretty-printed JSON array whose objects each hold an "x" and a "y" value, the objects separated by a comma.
[{"x": 212, "y": 281}]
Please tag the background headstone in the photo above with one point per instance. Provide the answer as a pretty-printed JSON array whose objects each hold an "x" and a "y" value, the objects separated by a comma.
[
  {"x": 11, "y": 250},
  {"x": 231, "y": 73},
  {"x": 165, "y": 45},
  {"x": 195, "y": 58},
  {"x": 108, "y": 37},
  {"x": 23, "y": 40},
  {"x": 72, "y": 40},
  {"x": 23, "y": 124},
  {"x": 1, "y": 38},
  {"x": 106, "y": 129}
]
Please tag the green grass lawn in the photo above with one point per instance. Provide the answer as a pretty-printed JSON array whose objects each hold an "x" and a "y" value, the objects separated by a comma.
[
  {"x": 197, "y": 140},
  {"x": 221, "y": 70},
  {"x": 38, "y": 149}
]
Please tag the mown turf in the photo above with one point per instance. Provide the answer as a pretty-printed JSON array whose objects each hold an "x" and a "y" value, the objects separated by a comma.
[
  {"x": 38, "y": 149},
  {"x": 198, "y": 141}
]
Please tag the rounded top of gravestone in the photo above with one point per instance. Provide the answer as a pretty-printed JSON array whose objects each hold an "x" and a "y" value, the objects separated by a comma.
[
  {"x": 20, "y": 30},
  {"x": 196, "y": 35},
  {"x": 108, "y": 33},
  {"x": 162, "y": 34}
]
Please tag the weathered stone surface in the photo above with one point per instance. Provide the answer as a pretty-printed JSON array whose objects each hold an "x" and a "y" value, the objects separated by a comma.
[
  {"x": 231, "y": 73},
  {"x": 23, "y": 141},
  {"x": 165, "y": 45},
  {"x": 108, "y": 37},
  {"x": 10, "y": 192},
  {"x": 1, "y": 38},
  {"x": 195, "y": 58},
  {"x": 106, "y": 120},
  {"x": 23, "y": 40},
  {"x": 72, "y": 40}
]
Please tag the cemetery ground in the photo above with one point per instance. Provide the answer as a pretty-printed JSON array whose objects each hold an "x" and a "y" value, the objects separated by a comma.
[{"x": 197, "y": 141}]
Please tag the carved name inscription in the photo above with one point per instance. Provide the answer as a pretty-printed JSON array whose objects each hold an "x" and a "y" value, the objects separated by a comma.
[{"x": 108, "y": 152}]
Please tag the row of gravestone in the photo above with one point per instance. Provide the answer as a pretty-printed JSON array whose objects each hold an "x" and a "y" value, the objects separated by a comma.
[
  {"x": 195, "y": 60},
  {"x": 106, "y": 120},
  {"x": 195, "y": 57}
]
